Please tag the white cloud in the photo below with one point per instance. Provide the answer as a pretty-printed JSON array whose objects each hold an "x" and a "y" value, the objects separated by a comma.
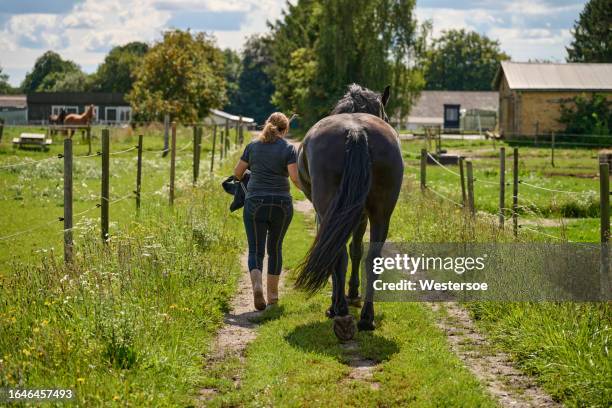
[{"x": 525, "y": 28}]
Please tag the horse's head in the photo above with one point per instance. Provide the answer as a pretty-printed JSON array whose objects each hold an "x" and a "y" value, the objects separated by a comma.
[{"x": 360, "y": 99}]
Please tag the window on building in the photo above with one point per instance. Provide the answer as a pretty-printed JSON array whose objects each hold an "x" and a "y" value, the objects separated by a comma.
[{"x": 119, "y": 114}]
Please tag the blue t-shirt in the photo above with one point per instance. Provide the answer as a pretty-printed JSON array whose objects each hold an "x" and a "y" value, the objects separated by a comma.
[{"x": 268, "y": 164}]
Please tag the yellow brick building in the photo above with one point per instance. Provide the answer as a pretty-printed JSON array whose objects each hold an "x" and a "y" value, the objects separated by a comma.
[{"x": 530, "y": 94}]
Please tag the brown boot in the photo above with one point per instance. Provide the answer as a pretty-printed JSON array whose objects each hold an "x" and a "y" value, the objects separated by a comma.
[
  {"x": 258, "y": 298},
  {"x": 273, "y": 289}
]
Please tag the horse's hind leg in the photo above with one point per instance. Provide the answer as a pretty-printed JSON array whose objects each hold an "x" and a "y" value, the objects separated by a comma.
[
  {"x": 344, "y": 325},
  {"x": 378, "y": 235},
  {"x": 356, "y": 251}
]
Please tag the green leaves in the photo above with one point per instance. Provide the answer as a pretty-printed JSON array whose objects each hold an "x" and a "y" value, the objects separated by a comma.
[
  {"x": 592, "y": 40},
  {"x": 321, "y": 46},
  {"x": 182, "y": 75},
  {"x": 463, "y": 61}
]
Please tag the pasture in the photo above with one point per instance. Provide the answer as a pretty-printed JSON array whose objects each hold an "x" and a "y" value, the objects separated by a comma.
[
  {"x": 132, "y": 321},
  {"x": 571, "y": 212}
]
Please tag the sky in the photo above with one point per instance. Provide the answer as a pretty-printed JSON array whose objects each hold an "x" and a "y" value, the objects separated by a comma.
[{"x": 85, "y": 30}]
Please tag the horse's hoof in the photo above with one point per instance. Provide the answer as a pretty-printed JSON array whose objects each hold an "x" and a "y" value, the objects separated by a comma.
[
  {"x": 330, "y": 313},
  {"x": 344, "y": 327},
  {"x": 364, "y": 325},
  {"x": 354, "y": 301}
]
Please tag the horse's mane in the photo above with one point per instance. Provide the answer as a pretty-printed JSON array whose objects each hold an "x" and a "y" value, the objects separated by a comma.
[{"x": 358, "y": 99}]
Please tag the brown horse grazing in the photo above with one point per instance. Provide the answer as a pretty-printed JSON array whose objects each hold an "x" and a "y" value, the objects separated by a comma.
[
  {"x": 59, "y": 118},
  {"x": 351, "y": 168},
  {"x": 84, "y": 119}
]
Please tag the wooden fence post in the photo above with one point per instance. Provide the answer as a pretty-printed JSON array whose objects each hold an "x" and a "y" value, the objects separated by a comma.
[
  {"x": 139, "y": 173},
  {"x": 1, "y": 129},
  {"x": 89, "y": 140},
  {"x": 212, "y": 153},
  {"x": 166, "y": 134},
  {"x": 502, "y": 185},
  {"x": 604, "y": 201},
  {"x": 462, "y": 178},
  {"x": 552, "y": 150},
  {"x": 470, "y": 186},
  {"x": 68, "y": 200},
  {"x": 195, "y": 152},
  {"x": 172, "y": 162},
  {"x": 105, "y": 183},
  {"x": 423, "y": 169},
  {"x": 226, "y": 140},
  {"x": 241, "y": 132},
  {"x": 197, "y": 148},
  {"x": 221, "y": 144},
  {"x": 515, "y": 183}
]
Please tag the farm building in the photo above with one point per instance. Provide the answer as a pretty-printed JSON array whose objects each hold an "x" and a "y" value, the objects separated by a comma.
[
  {"x": 108, "y": 107},
  {"x": 530, "y": 94},
  {"x": 13, "y": 109},
  {"x": 218, "y": 117},
  {"x": 468, "y": 111}
]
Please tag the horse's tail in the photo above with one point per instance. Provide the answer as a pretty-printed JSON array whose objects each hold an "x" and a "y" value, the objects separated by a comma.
[{"x": 342, "y": 216}]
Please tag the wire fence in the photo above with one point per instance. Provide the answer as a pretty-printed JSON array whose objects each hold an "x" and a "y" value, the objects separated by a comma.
[
  {"x": 137, "y": 195},
  {"x": 531, "y": 207}
]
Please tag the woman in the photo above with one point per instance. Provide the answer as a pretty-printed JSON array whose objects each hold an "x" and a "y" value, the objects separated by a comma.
[{"x": 268, "y": 208}]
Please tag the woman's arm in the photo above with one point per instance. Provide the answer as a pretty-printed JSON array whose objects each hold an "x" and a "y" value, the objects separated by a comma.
[
  {"x": 240, "y": 168},
  {"x": 293, "y": 174}
]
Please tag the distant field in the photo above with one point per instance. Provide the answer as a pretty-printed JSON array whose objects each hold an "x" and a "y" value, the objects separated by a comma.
[
  {"x": 572, "y": 216},
  {"x": 32, "y": 195}
]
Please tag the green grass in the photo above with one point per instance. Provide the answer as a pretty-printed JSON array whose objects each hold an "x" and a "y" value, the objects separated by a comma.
[
  {"x": 32, "y": 195},
  {"x": 566, "y": 346},
  {"x": 575, "y": 170},
  {"x": 128, "y": 323},
  {"x": 297, "y": 361}
]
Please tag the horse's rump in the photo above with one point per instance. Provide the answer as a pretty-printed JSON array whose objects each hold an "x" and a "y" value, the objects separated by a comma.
[{"x": 342, "y": 159}]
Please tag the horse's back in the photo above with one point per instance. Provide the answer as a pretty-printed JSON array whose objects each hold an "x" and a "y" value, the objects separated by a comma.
[{"x": 324, "y": 149}]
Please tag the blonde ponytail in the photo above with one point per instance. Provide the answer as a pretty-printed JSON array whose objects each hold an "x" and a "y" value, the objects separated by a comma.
[{"x": 276, "y": 126}]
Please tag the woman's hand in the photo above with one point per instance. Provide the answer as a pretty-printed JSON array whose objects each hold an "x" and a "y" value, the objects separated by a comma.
[{"x": 240, "y": 168}]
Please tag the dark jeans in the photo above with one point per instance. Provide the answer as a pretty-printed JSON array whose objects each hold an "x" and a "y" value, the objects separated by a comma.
[{"x": 266, "y": 220}]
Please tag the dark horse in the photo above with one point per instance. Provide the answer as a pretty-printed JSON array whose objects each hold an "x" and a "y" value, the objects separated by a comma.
[{"x": 351, "y": 168}]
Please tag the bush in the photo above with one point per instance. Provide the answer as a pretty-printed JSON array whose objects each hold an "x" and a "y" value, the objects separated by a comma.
[{"x": 586, "y": 116}]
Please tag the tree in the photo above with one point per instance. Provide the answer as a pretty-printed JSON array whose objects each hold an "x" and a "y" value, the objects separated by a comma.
[
  {"x": 182, "y": 75},
  {"x": 232, "y": 66},
  {"x": 48, "y": 63},
  {"x": 72, "y": 81},
  {"x": 592, "y": 37},
  {"x": 116, "y": 73},
  {"x": 321, "y": 46},
  {"x": 5, "y": 87},
  {"x": 587, "y": 116},
  {"x": 462, "y": 61},
  {"x": 255, "y": 87}
]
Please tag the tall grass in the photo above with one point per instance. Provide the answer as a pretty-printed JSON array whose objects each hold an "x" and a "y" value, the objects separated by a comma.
[
  {"x": 128, "y": 321},
  {"x": 565, "y": 345}
]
